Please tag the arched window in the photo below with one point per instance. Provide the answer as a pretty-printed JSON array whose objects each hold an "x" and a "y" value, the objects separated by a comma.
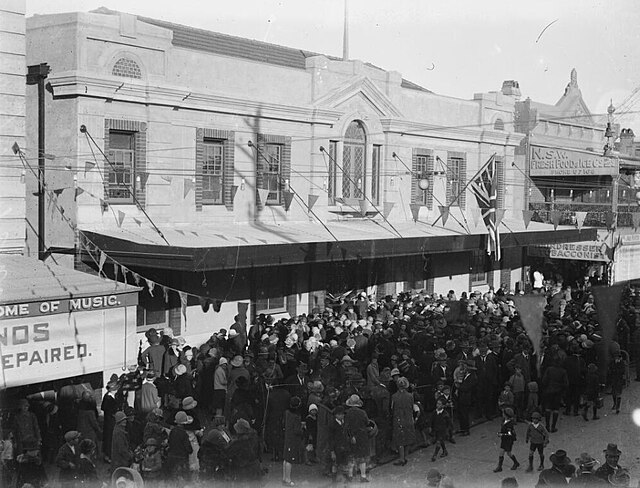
[
  {"x": 498, "y": 124},
  {"x": 126, "y": 67},
  {"x": 354, "y": 166}
]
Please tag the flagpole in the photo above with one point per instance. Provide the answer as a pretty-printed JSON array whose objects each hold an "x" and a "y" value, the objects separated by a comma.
[{"x": 461, "y": 192}]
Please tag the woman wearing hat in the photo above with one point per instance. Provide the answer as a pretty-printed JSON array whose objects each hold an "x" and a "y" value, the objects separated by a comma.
[
  {"x": 121, "y": 453},
  {"x": 357, "y": 425},
  {"x": 507, "y": 438},
  {"x": 245, "y": 454},
  {"x": 87, "y": 472},
  {"x": 179, "y": 449},
  {"x": 403, "y": 429},
  {"x": 293, "y": 452}
]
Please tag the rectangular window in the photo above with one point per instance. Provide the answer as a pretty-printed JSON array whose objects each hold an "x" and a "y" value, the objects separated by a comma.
[
  {"x": 121, "y": 171},
  {"x": 375, "y": 174},
  {"x": 453, "y": 180},
  {"x": 271, "y": 305},
  {"x": 213, "y": 173},
  {"x": 272, "y": 173},
  {"x": 423, "y": 170},
  {"x": 478, "y": 268}
]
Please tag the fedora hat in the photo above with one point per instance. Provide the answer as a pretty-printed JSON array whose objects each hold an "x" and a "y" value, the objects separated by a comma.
[
  {"x": 612, "y": 450},
  {"x": 189, "y": 403},
  {"x": 72, "y": 435},
  {"x": 586, "y": 460},
  {"x": 237, "y": 361},
  {"x": 182, "y": 418},
  {"x": 559, "y": 458},
  {"x": 353, "y": 401}
]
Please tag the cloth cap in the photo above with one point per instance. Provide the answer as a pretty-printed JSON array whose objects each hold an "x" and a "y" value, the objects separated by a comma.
[
  {"x": 395, "y": 371},
  {"x": 223, "y": 361},
  {"x": 233, "y": 333},
  {"x": 120, "y": 416},
  {"x": 73, "y": 435},
  {"x": 313, "y": 406}
]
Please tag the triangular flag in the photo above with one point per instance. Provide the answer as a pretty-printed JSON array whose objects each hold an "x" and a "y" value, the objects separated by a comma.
[
  {"x": 607, "y": 300},
  {"x": 263, "y": 194},
  {"x": 216, "y": 305},
  {"x": 312, "y": 200},
  {"x": 364, "y": 206},
  {"x": 188, "y": 186},
  {"x": 136, "y": 278},
  {"x": 15, "y": 148},
  {"x": 288, "y": 198},
  {"x": 165, "y": 293},
  {"x": 243, "y": 239},
  {"x": 79, "y": 191},
  {"x": 168, "y": 179},
  {"x": 195, "y": 233},
  {"x": 610, "y": 219},
  {"x": 476, "y": 215},
  {"x": 139, "y": 222},
  {"x": 180, "y": 231},
  {"x": 58, "y": 191},
  {"x": 444, "y": 213},
  {"x": 499, "y": 215},
  {"x": 387, "y": 207},
  {"x": 263, "y": 241},
  {"x": 234, "y": 191},
  {"x": 150, "y": 286},
  {"x": 103, "y": 259},
  {"x": 415, "y": 210},
  {"x": 555, "y": 216},
  {"x": 88, "y": 166},
  {"x": 144, "y": 176},
  {"x": 103, "y": 206},
  {"x": 124, "y": 274},
  {"x": 221, "y": 237},
  {"x": 531, "y": 310},
  {"x": 116, "y": 269},
  {"x": 183, "y": 305},
  {"x": 120, "y": 218},
  {"x": 205, "y": 303},
  {"x": 580, "y": 216},
  {"x": 635, "y": 218},
  {"x": 526, "y": 216}
]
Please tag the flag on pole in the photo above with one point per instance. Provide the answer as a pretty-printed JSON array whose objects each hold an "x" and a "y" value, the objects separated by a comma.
[
  {"x": 485, "y": 188},
  {"x": 288, "y": 198},
  {"x": 580, "y": 216}
]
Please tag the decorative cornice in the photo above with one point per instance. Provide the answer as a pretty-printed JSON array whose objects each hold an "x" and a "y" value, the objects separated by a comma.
[
  {"x": 75, "y": 84},
  {"x": 364, "y": 86}
]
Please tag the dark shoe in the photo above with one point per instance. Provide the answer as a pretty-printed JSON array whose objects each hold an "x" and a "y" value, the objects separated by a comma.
[
  {"x": 452, "y": 440},
  {"x": 515, "y": 466},
  {"x": 595, "y": 417},
  {"x": 364, "y": 480},
  {"x": 400, "y": 463},
  {"x": 498, "y": 469},
  {"x": 541, "y": 467},
  {"x": 433, "y": 459},
  {"x": 444, "y": 454},
  {"x": 465, "y": 433}
]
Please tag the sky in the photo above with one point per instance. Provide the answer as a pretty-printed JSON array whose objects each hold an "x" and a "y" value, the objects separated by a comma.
[{"x": 452, "y": 47}]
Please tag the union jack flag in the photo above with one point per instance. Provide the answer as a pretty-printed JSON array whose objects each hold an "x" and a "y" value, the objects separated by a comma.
[{"x": 485, "y": 188}]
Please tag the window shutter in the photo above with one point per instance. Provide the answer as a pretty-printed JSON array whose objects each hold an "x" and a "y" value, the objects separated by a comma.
[
  {"x": 463, "y": 182},
  {"x": 285, "y": 167},
  {"x": 430, "y": 177},
  {"x": 414, "y": 180},
  {"x": 140, "y": 141},
  {"x": 260, "y": 163},
  {"x": 175, "y": 320},
  {"x": 199, "y": 169},
  {"x": 229, "y": 168},
  {"x": 500, "y": 171}
]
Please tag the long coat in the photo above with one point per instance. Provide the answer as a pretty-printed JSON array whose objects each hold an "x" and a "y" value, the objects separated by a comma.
[
  {"x": 277, "y": 404},
  {"x": 88, "y": 424},
  {"x": 109, "y": 407},
  {"x": 356, "y": 423},
  {"x": 403, "y": 433},
  {"x": 293, "y": 451},
  {"x": 67, "y": 460},
  {"x": 121, "y": 455}
]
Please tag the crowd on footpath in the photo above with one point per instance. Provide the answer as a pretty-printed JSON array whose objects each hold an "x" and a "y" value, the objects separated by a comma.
[{"x": 343, "y": 389}]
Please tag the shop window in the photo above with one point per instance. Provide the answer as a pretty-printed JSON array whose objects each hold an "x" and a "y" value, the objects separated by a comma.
[
  {"x": 274, "y": 166},
  {"x": 157, "y": 313},
  {"x": 422, "y": 166},
  {"x": 456, "y": 179},
  {"x": 125, "y": 146},
  {"x": 271, "y": 305},
  {"x": 478, "y": 269}
]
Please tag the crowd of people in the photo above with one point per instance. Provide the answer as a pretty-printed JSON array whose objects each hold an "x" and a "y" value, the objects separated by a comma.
[{"x": 342, "y": 388}]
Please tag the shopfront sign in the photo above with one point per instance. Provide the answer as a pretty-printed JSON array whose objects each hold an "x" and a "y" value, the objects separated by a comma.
[
  {"x": 547, "y": 161},
  {"x": 581, "y": 251},
  {"x": 53, "y": 339}
]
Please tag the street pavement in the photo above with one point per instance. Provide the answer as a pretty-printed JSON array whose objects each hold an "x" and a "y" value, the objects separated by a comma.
[{"x": 472, "y": 459}]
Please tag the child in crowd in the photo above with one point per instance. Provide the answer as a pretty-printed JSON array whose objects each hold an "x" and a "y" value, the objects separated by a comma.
[
  {"x": 311, "y": 432},
  {"x": 151, "y": 465},
  {"x": 440, "y": 427},
  {"x": 518, "y": 384},
  {"x": 533, "y": 401},
  {"x": 507, "y": 438},
  {"x": 506, "y": 399},
  {"x": 538, "y": 437}
]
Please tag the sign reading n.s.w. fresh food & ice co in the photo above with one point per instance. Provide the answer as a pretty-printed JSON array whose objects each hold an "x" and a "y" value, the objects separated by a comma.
[{"x": 547, "y": 161}]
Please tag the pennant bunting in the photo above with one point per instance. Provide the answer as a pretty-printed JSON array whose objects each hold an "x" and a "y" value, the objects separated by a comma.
[
  {"x": 415, "y": 210},
  {"x": 531, "y": 310},
  {"x": 103, "y": 259},
  {"x": 188, "y": 186},
  {"x": 180, "y": 231},
  {"x": 150, "y": 286},
  {"x": 610, "y": 219},
  {"x": 243, "y": 240},
  {"x": 312, "y": 201},
  {"x": 555, "y": 216},
  {"x": 205, "y": 303},
  {"x": 288, "y": 198},
  {"x": 221, "y": 237},
  {"x": 263, "y": 194},
  {"x": 58, "y": 191},
  {"x": 195, "y": 233},
  {"x": 635, "y": 219},
  {"x": 116, "y": 269},
  {"x": 79, "y": 191},
  {"x": 264, "y": 241},
  {"x": 136, "y": 278},
  {"x": 183, "y": 305},
  {"x": 476, "y": 215},
  {"x": 234, "y": 191},
  {"x": 144, "y": 176},
  {"x": 607, "y": 300},
  {"x": 485, "y": 189},
  {"x": 67, "y": 166},
  {"x": 137, "y": 221},
  {"x": 527, "y": 215},
  {"x": 444, "y": 213},
  {"x": 499, "y": 215},
  {"x": 165, "y": 293},
  {"x": 387, "y": 207},
  {"x": 580, "y": 216},
  {"x": 103, "y": 206},
  {"x": 88, "y": 166},
  {"x": 124, "y": 274},
  {"x": 168, "y": 179},
  {"x": 364, "y": 206},
  {"x": 120, "y": 218},
  {"x": 217, "y": 304}
]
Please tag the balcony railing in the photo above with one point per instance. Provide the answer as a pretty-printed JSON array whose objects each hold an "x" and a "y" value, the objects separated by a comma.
[{"x": 596, "y": 213}]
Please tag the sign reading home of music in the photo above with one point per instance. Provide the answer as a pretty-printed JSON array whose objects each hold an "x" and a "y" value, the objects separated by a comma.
[{"x": 547, "y": 161}]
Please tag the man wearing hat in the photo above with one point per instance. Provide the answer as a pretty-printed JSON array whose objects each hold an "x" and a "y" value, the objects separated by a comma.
[
  {"x": 558, "y": 473},
  {"x": 121, "y": 453},
  {"x": 147, "y": 396},
  {"x": 611, "y": 457},
  {"x": 586, "y": 477},
  {"x": 152, "y": 355},
  {"x": 68, "y": 459},
  {"x": 356, "y": 423},
  {"x": 465, "y": 393},
  {"x": 297, "y": 383}
]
